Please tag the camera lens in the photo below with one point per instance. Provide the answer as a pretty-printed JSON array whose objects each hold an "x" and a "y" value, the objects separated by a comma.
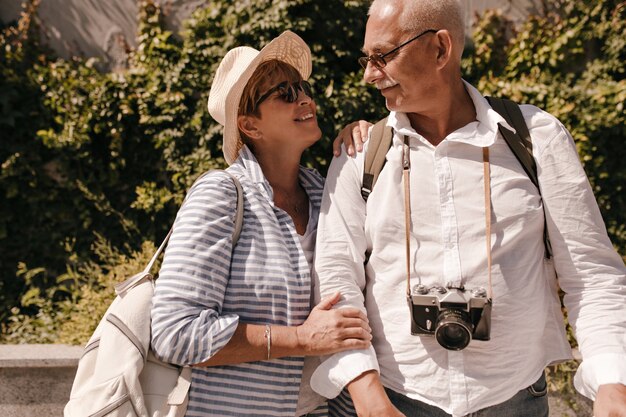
[{"x": 453, "y": 329}]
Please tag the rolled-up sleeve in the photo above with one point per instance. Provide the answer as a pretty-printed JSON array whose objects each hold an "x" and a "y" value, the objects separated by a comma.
[
  {"x": 188, "y": 326},
  {"x": 590, "y": 272},
  {"x": 339, "y": 258}
]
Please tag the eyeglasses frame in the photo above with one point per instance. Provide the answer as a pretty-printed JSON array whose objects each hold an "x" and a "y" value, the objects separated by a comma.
[{"x": 364, "y": 60}]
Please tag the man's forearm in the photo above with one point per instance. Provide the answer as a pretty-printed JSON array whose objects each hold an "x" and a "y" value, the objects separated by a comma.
[
  {"x": 369, "y": 396},
  {"x": 610, "y": 401}
]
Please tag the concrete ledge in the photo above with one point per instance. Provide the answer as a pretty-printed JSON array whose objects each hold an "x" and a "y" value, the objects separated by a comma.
[
  {"x": 42, "y": 356},
  {"x": 36, "y": 380}
]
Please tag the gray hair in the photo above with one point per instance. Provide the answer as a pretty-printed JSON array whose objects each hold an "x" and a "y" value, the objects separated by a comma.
[{"x": 420, "y": 15}]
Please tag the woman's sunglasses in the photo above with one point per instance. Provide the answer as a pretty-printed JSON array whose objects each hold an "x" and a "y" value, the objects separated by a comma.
[{"x": 287, "y": 91}]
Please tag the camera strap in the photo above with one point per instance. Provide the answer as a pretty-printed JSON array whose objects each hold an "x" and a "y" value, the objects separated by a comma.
[
  {"x": 487, "y": 181},
  {"x": 406, "y": 170}
]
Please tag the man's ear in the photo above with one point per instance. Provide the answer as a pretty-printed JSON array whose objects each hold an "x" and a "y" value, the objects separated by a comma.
[
  {"x": 444, "y": 48},
  {"x": 248, "y": 126}
]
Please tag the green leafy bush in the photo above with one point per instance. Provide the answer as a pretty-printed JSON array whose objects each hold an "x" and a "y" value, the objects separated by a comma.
[{"x": 90, "y": 286}]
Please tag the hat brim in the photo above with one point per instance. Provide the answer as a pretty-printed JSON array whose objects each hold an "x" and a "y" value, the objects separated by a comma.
[{"x": 288, "y": 48}]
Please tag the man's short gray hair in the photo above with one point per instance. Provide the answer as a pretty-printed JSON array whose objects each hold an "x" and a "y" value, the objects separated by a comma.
[{"x": 420, "y": 15}]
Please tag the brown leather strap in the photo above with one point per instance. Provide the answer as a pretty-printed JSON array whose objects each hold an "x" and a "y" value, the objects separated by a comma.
[
  {"x": 406, "y": 170},
  {"x": 487, "y": 181}
]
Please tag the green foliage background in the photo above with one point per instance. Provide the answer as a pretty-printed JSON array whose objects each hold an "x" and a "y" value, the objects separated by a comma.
[{"x": 95, "y": 164}]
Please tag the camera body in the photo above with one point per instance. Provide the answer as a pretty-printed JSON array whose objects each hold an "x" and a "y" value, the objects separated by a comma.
[{"x": 454, "y": 316}]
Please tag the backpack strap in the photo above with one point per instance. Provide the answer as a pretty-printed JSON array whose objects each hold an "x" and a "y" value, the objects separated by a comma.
[
  {"x": 519, "y": 142},
  {"x": 179, "y": 393},
  {"x": 379, "y": 144},
  {"x": 521, "y": 145},
  {"x": 239, "y": 213},
  {"x": 122, "y": 287}
]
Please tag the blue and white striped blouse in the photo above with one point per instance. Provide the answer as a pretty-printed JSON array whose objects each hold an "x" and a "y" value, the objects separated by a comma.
[{"x": 201, "y": 293}]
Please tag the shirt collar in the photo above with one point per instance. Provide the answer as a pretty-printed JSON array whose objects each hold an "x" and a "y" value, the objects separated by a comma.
[
  {"x": 312, "y": 182},
  {"x": 251, "y": 169},
  {"x": 251, "y": 165},
  {"x": 481, "y": 132}
]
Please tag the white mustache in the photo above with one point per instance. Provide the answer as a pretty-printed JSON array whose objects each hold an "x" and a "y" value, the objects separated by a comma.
[{"x": 385, "y": 84}]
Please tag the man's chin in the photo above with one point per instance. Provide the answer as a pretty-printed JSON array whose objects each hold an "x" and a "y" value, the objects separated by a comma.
[
  {"x": 391, "y": 97},
  {"x": 392, "y": 103}
]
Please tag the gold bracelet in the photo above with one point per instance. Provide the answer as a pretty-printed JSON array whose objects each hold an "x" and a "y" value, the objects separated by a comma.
[{"x": 268, "y": 336}]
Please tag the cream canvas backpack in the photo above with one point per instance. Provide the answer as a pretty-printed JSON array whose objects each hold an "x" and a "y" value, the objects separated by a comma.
[{"x": 118, "y": 375}]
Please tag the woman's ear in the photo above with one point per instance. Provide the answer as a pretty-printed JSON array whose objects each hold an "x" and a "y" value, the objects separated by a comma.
[{"x": 248, "y": 126}]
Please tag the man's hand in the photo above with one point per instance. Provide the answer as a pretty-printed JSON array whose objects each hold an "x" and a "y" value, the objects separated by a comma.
[
  {"x": 369, "y": 397},
  {"x": 352, "y": 136},
  {"x": 610, "y": 401}
]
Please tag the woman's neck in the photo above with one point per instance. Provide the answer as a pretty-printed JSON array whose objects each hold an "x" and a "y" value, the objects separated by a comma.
[{"x": 280, "y": 170}]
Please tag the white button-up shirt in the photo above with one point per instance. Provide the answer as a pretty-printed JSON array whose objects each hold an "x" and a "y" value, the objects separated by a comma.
[{"x": 448, "y": 245}]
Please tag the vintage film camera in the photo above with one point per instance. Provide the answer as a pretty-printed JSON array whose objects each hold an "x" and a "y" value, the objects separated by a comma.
[{"x": 454, "y": 316}]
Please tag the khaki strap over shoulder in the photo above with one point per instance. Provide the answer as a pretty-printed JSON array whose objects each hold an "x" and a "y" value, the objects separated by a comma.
[{"x": 379, "y": 144}]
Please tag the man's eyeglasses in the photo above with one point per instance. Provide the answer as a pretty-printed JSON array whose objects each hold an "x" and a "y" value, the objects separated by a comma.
[
  {"x": 287, "y": 91},
  {"x": 378, "y": 60}
]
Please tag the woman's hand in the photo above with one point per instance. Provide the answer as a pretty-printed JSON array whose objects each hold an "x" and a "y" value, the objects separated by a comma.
[
  {"x": 329, "y": 330},
  {"x": 352, "y": 136}
]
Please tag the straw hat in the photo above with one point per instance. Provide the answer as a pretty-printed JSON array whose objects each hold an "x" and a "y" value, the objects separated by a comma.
[{"x": 234, "y": 72}]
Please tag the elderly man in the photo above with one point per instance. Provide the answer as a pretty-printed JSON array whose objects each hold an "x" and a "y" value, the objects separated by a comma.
[{"x": 455, "y": 227}]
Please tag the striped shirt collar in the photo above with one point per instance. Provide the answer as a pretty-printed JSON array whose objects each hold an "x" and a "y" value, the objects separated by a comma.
[{"x": 310, "y": 179}]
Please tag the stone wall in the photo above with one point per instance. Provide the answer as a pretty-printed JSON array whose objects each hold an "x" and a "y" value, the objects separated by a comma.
[{"x": 35, "y": 380}]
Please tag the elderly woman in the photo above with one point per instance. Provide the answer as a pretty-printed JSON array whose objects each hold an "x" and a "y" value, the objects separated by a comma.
[{"x": 241, "y": 315}]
